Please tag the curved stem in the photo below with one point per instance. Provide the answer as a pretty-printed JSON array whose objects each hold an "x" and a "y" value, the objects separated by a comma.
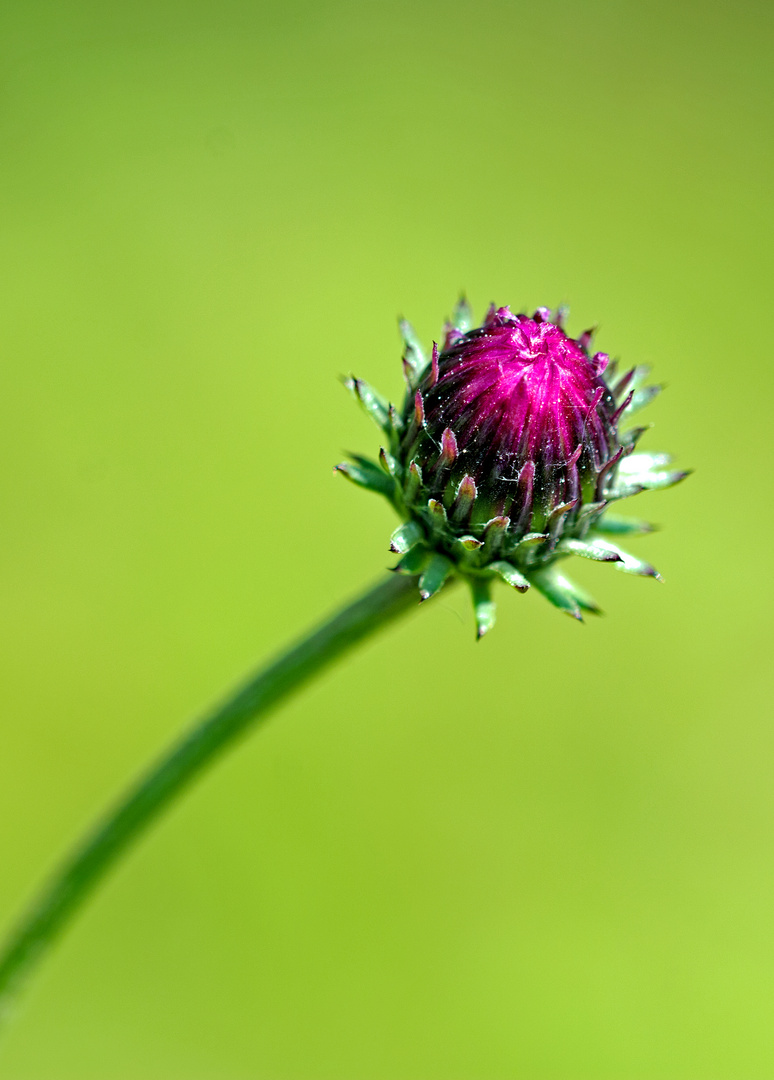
[{"x": 176, "y": 768}]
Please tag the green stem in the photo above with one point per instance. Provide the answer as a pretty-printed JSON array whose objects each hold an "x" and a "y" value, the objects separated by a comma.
[{"x": 197, "y": 749}]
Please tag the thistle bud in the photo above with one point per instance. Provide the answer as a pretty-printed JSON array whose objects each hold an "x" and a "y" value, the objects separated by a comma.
[{"x": 512, "y": 442}]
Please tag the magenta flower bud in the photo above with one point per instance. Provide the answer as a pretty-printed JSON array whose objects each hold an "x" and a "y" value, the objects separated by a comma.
[
  {"x": 511, "y": 445},
  {"x": 520, "y": 408}
]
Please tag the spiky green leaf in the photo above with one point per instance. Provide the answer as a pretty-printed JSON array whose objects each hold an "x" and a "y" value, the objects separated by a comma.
[
  {"x": 469, "y": 543},
  {"x": 414, "y": 561},
  {"x": 413, "y": 353},
  {"x": 636, "y": 464},
  {"x": 494, "y": 533},
  {"x": 434, "y": 576},
  {"x": 388, "y": 463},
  {"x": 462, "y": 316},
  {"x": 532, "y": 538},
  {"x": 611, "y": 525},
  {"x": 587, "y": 550},
  {"x": 510, "y": 575},
  {"x": 625, "y": 486},
  {"x": 367, "y": 474},
  {"x": 437, "y": 513},
  {"x": 630, "y": 438},
  {"x": 626, "y": 562},
  {"x": 406, "y": 537},
  {"x": 377, "y": 407},
  {"x": 484, "y": 607},
  {"x": 641, "y": 398},
  {"x": 559, "y": 590},
  {"x": 396, "y": 420},
  {"x": 413, "y": 481}
]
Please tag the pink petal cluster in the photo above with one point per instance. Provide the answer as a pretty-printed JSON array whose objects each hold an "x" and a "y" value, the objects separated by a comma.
[{"x": 521, "y": 408}]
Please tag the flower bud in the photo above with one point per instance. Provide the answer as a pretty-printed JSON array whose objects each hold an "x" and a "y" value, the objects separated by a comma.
[{"x": 509, "y": 448}]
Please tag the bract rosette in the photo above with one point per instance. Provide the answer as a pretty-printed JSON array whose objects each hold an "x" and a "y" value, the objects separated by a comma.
[{"x": 512, "y": 444}]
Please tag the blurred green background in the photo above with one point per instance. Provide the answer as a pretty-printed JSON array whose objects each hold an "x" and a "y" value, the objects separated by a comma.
[{"x": 545, "y": 856}]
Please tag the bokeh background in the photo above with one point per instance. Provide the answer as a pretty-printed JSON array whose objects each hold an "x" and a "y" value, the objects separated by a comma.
[{"x": 550, "y": 855}]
